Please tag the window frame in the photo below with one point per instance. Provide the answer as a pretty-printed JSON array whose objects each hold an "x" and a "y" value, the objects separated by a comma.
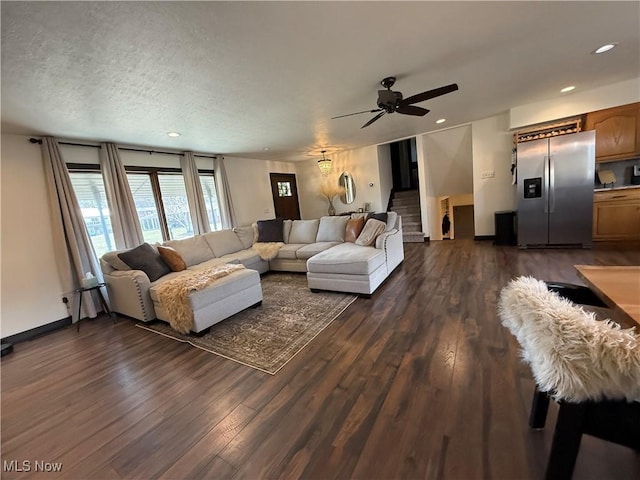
[{"x": 153, "y": 173}]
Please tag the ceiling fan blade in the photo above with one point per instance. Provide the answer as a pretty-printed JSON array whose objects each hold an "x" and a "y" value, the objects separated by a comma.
[
  {"x": 373, "y": 119},
  {"x": 357, "y": 113},
  {"x": 436, "y": 92},
  {"x": 412, "y": 110}
]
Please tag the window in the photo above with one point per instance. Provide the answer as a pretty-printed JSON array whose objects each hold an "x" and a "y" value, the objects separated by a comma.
[
  {"x": 284, "y": 189},
  {"x": 145, "y": 201},
  {"x": 207, "y": 181},
  {"x": 89, "y": 189},
  {"x": 160, "y": 198},
  {"x": 176, "y": 205}
]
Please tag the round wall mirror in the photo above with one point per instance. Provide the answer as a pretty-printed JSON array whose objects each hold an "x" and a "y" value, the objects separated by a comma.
[{"x": 346, "y": 181}]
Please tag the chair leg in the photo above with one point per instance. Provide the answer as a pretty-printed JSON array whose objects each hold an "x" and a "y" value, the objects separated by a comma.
[
  {"x": 539, "y": 408},
  {"x": 566, "y": 441}
]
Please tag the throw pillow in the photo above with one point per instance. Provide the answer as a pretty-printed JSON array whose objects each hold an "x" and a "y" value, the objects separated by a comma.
[
  {"x": 354, "y": 227},
  {"x": 245, "y": 234},
  {"x": 223, "y": 242},
  {"x": 270, "y": 230},
  {"x": 382, "y": 216},
  {"x": 193, "y": 250},
  {"x": 145, "y": 258},
  {"x": 370, "y": 232},
  {"x": 304, "y": 231},
  {"x": 332, "y": 229},
  {"x": 172, "y": 258}
]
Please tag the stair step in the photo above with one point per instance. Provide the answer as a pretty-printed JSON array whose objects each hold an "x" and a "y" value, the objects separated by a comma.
[
  {"x": 406, "y": 210},
  {"x": 406, "y": 193},
  {"x": 413, "y": 237},
  {"x": 405, "y": 202},
  {"x": 411, "y": 226},
  {"x": 411, "y": 218}
]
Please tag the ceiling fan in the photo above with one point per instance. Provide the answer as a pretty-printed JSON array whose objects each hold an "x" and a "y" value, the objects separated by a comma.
[{"x": 390, "y": 101}]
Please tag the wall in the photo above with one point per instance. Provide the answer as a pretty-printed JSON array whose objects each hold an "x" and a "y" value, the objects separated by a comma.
[
  {"x": 250, "y": 187},
  {"x": 447, "y": 161},
  {"x": 491, "y": 144},
  {"x": 385, "y": 174},
  {"x": 364, "y": 166},
  {"x": 31, "y": 290},
  {"x": 576, "y": 103}
]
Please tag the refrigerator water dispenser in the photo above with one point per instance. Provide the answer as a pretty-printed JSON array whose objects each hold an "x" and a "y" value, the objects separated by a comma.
[{"x": 533, "y": 187}]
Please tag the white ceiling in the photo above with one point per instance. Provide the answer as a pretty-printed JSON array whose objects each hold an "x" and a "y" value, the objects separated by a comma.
[{"x": 236, "y": 77}]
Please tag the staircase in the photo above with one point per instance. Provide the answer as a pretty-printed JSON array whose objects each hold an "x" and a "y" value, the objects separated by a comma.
[{"x": 407, "y": 205}]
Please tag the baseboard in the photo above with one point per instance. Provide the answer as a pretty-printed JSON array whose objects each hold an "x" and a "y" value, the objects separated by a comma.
[
  {"x": 427, "y": 239},
  {"x": 482, "y": 238},
  {"x": 36, "y": 332}
]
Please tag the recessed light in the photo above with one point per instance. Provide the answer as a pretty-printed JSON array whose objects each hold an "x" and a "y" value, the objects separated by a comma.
[
  {"x": 604, "y": 48},
  {"x": 173, "y": 134},
  {"x": 442, "y": 120},
  {"x": 568, "y": 89},
  {"x": 266, "y": 149}
]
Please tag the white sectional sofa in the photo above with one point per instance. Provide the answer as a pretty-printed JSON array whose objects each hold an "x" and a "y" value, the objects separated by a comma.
[{"x": 315, "y": 246}]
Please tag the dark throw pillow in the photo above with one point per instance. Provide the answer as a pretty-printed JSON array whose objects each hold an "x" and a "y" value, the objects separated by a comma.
[
  {"x": 271, "y": 230},
  {"x": 145, "y": 258},
  {"x": 382, "y": 216}
]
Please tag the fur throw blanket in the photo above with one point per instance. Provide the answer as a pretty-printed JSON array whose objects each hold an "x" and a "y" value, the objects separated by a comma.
[
  {"x": 572, "y": 355},
  {"x": 267, "y": 250},
  {"x": 174, "y": 294}
]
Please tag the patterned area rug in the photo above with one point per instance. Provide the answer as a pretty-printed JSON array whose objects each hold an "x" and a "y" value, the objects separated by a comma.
[{"x": 267, "y": 337}]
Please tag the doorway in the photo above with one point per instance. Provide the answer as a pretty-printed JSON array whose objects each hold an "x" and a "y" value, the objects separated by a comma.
[
  {"x": 463, "y": 222},
  {"x": 404, "y": 165},
  {"x": 284, "y": 191}
]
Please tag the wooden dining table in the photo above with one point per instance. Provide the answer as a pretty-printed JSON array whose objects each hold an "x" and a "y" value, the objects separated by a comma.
[{"x": 618, "y": 287}]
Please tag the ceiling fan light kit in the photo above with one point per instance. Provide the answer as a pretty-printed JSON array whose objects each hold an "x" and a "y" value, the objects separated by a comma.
[{"x": 390, "y": 101}]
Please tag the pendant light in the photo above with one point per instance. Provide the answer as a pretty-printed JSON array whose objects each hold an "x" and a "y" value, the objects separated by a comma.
[{"x": 324, "y": 165}]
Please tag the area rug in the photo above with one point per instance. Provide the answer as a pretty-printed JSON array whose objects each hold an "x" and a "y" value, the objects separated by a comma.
[{"x": 268, "y": 336}]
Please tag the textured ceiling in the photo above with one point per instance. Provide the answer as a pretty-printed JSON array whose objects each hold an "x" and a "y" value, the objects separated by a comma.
[{"x": 236, "y": 77}]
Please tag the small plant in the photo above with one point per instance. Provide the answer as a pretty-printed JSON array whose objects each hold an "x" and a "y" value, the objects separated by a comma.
[{"x": 331, "y": 191}]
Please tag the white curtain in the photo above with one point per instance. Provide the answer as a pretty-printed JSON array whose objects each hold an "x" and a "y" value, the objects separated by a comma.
[
  {"x": 224, "y": 196},
  {"x": 127, "y": 231},
  {"x": 195, "y": 197},
  {"x": 73, "y": 250}
]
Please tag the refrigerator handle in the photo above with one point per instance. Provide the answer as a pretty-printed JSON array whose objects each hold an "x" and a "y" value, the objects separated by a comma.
[
  {"x": 552, "y": 185},
  {"x": 545, "y": 184}
]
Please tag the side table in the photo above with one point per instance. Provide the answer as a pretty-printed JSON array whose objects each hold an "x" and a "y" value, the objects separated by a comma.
[{"x": 97, "y": 287}]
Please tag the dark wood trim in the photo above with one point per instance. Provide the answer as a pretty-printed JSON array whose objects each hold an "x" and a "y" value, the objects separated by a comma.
[
  {"x": 157, "y": 196},
  {"x": 427, "y": 239},
  {"x": 156, "y": 170},
  {"x": 482, "y": 238},
  {"x": 94, "y": 167},
  {"x": 37, "y": 331}
]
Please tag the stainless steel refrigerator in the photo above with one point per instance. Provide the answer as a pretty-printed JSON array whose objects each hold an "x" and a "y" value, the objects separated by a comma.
[{"x": 555, "y": 191}]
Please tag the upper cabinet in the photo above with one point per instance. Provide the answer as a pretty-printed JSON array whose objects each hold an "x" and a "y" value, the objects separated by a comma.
[{"x": 617, "y": 132}]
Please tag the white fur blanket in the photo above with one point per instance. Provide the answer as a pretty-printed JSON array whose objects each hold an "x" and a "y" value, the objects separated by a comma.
[
  {"x": 174, "y": 294},
  {"x": 267, "y": 250},
  {"x": 572, "y": 355}
]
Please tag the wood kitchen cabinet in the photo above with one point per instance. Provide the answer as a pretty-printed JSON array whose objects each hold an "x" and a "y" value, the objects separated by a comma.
[
  {"x": 617, "y": 132},
  {"x": 616, "y": 215}
]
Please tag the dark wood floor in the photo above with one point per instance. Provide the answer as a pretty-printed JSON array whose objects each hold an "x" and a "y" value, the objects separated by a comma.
[{"x": 420, "y": 381}]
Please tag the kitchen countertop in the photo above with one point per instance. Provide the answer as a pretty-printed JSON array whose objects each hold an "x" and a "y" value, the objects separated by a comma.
[{"x": 621, "y": 187}]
